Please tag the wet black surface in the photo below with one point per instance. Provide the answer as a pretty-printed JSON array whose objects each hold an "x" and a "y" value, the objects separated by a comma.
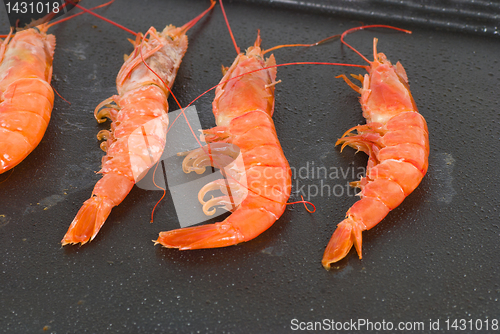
[{"x": 434, "y": 257}]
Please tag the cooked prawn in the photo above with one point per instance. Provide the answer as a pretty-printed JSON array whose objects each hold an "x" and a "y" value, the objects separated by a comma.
[
  {"x": 397, "y": 142},
  {"x": 26, "y": 97},
  {"x": 243, "y": 109},
  {"x": 138, "y": 115}
]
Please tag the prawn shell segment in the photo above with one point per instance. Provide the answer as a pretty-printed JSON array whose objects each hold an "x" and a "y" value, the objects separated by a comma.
[
  {"x": 384, "y": 93},
  {"x": 29, "y": 54},
  {"x": 256, "y": 94}
]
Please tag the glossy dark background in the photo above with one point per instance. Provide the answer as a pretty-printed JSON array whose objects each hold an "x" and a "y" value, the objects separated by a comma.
[{"x": 434, "y": 257}]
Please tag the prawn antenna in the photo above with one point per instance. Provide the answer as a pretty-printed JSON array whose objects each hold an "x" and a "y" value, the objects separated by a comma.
[
  {"x": 305, "y": 204},
  {"x": 102, "y": 18},
  {"x": 367, "y": 27},
  {"x": 78, "y": 14},
  {"x": 303, "y": 45},
  {"x": 229, "y": 28},
  {"x": 191, "y": 23},
  {"x": 60, "y": 95}
]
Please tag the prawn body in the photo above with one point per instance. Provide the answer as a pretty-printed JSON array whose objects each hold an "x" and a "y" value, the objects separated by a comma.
[
  {"x": 396, "y": 139},
  {"x": 138, "y": 114},
  {"x": 243, "y": 109},
  {"x": 26, "y": 97}
]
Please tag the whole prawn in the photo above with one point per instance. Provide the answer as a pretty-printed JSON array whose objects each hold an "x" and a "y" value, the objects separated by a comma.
[
  {"x": 26, "y": 97},
  {"x": 397, "y": 142},
  {"x": 243, "y": 109},
  {"x": 138, "y": 115}
]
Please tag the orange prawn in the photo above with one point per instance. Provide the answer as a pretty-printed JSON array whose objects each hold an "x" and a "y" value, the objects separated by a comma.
[
  {"x": 397, "y": 142},
  {"x": 26, "y": 97},
  {"x": 138, "y": 114},
  {"x": 243, "y": 109}
]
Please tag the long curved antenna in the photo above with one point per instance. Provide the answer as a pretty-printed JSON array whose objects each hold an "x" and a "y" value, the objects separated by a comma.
[
  {"x": 366, "y": 27},
  {"x": 102, "y": 18},
  {"x": 78, "y": 14},
  {"x": 304, "y": 45},
  {"x": 191, "y": 23}
]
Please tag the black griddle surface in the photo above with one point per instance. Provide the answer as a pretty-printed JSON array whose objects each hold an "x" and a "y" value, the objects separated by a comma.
[{"x": 435, "y": 257}]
